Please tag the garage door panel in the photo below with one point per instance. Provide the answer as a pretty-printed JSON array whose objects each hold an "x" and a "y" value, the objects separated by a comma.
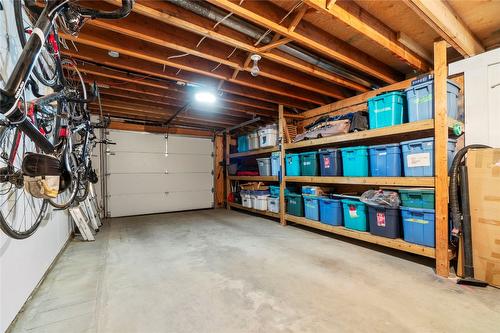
[
  {"x": 150, "y": 203},
  {"x": 142, "y": 180},
  {"x": 153, "y": 183},
  {"x": 189, "y": 145},
  {"x": 130, "y": 163},
  {"x": 189, "y": 163},
  {"x": 137, "y": 142}
]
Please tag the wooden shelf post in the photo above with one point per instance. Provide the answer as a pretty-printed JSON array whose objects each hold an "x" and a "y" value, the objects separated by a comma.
[
  {"x": 281, "y": 140},
  {"x": 228, "y": 162},
  {"x": 441, "y": 157}
]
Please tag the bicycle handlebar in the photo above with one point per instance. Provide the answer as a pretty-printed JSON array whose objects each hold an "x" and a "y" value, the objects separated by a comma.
[{"x": 119, "y": 13}]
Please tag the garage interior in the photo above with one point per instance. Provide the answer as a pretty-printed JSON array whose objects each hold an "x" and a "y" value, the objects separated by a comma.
[{"x": 273, "y": 166}]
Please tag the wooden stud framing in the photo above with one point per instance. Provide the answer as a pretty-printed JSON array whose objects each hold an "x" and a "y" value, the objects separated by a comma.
[
  {"x": 228, "y": 162},
  {"x": 281, "y": 140},
  {"x": 219, "y": 171},
  {"x": 441, "y": 157}
]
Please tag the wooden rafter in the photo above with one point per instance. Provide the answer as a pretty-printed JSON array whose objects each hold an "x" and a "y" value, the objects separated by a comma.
[
  {"x": 448, "y": 25},
  {"x": 170, "y": 14},
  {"x": 359, "y": 19},
  {"x": 99, "y": 55},
  {"x": 322, "y": 43},
  {"x": 193, "y": 70}
]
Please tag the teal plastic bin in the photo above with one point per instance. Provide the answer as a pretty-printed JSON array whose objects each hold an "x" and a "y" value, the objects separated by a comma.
[
  {"x": 417, "y": 198},
  {"x": 242, "y": 143},
  {"x": 292, "y": 164},
  {"x": 309, "y": 163},
  {"x": 311, "y": 207},
  {"x": 294, "y": 204},
  {"x": 387, "y": 109},
  {"x": 355, "y": 215},
  {"x": 355, "y": 161}
]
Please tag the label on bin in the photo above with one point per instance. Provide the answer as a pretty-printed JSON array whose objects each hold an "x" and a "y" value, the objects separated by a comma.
[
  {"x": 418, "y": 160},
  {"x": 353, "y": 212},
  {"x": 380, "y": 219},
  {"x": 326, "y": 162}
]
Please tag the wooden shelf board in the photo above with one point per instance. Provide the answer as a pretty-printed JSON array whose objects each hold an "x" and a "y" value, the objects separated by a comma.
[
  {"x": 254, "y": 152},
  {"x": 403, "y": 132},
  {"x": 255, "y": 178},
  {"x": 398, "y": 243},
  {"x": 262, "y": 212},
  {"x": 386, "y": 181}
]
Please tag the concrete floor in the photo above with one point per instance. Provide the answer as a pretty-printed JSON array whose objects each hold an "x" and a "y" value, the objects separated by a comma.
[{"x": 219, "y": 271}]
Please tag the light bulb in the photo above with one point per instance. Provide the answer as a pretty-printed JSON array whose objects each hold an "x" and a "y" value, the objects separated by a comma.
[
  {"x": 255, "y": 70},
  {"x": 205, "y": 97}
]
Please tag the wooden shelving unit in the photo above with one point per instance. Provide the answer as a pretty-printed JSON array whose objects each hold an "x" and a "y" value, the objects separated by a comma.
[
  {"x": 441, "y": 127},
  {"x": 256, "y": 152},
  {"x": 254, "y": 178},
  {"x": 382, "y": 181},
  {"x": 397, "y": 243},
  {"x": 256, "y": 211}
]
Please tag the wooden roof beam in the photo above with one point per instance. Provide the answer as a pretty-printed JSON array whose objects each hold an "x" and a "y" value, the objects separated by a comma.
[
  {"x": 172, "y": 15},
  {"x": 313, "y": 38},
  {"x": 362, "y": 21},
  {"x": 99, "y": 55},
  {"x": 448, "y": 25},
  {"x": 192, "y": 68}
]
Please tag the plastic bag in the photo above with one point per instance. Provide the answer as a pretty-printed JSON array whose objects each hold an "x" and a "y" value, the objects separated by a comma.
[{"x": 381, "y": 198}]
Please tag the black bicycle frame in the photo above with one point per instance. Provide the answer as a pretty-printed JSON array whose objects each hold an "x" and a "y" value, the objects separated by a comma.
[{"x": 16, "y": 83}]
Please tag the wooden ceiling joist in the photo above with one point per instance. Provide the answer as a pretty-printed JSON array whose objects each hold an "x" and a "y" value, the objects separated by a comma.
[
  {"x": 197, "y": 71},
  {"x": 311, "y": 37},
  {"x": 183, "y": 41},
  {"x": 132, "y": 64},
  {"x": 448, "y": 25},
  {"x": 356, "y": 17},
  {"x": 168, "y": 13}
]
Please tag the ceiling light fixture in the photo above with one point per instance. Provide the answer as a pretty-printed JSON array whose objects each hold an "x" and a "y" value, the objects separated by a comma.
[
  {"x": 255, "y": 68},
  {"x": 113, "y": 54},
  {"x": 205, "y": 97}
]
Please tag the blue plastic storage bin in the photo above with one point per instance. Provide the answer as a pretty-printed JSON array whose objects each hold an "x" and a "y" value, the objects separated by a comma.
[
  {"x": 387, "y": 109},
  {"x": 292, "y": 163},
  {"x": 355, "y": 161},
  {"x": 242, "y": 143},
  {"x": 330, "y": 162},
  {"x": 355, "y": 215},
  {"x": 420, "y": 99},
  {"x": 330, "y": 211},
  {"x": 418, "y": 156},
  {"x": 275, "y": 163},
  {"x": 311, "y": 207},
  {"x": 384, "y": 221},
  {"x": 419, "y": 226},
  {"x": 385, "y": 160}
]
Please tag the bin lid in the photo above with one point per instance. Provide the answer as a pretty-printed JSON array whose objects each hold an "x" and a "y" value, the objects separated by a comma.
[
  {"x": 292, "y": 154},
  {"x": 311, "y": 197},
  {"x": 354, "y": 148},
  {"x": 417, "y": 210},
  {"x": 308, "y": 153},
  {"x": 352, "y": 202},
  {"x": 263, "y": 159},
  {"x": 390, "y": 145},
  {"x": 428, "y": 83},
  {"x": 295, "y": 195},
  {"x": 424, "y": 140},
  {"x": 328, "y": 199},
  {"x": 328, "y": 150}
]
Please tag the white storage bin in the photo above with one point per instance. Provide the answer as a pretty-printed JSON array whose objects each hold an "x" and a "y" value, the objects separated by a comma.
[
  {"x": 253, "y": 199},
  {"x": 246, "y": 200},
  {"x": 268, "y": 136},
  {"x": 273, "y": 204},
  {"x": 253, "y": 141},
  {"x": 261, "y": 202}
]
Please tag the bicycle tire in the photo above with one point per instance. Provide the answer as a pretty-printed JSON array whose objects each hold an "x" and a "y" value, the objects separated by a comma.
[
  {"x": 81, "y": 197},
  {"x": 51, "y": 79},
  {"x": 22, "y": 202},
  {"x": 73, "y": 190}
]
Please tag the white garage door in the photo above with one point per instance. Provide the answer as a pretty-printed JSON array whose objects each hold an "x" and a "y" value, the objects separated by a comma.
[{"x": 148, "y": 174}]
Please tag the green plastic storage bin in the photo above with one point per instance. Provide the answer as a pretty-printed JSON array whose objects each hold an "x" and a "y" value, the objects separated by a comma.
[
  {"x": 294, "y": 204},
  {"x": 417, "y": 198},
  {"x": 309, "y": 165},
  {"x": 355, "y": 215}
]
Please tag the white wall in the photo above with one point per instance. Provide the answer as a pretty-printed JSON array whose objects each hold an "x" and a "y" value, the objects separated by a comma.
[
  {"x": 24, "y": 262},
  {"x": 482, "y": 97}
]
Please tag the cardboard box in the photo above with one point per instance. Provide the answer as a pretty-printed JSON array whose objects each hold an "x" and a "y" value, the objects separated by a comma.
[{"x": 484, "y": 191}]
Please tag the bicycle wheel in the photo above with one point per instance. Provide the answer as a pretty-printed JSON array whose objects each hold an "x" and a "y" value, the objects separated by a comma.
[
  {"x": 20, "y": 212},
  {"x": 73, "y": 80},
  {"x": 83, "y": 190},
  {"x": 26, "y": 13},
  {"x": 72, "y": 178}
]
